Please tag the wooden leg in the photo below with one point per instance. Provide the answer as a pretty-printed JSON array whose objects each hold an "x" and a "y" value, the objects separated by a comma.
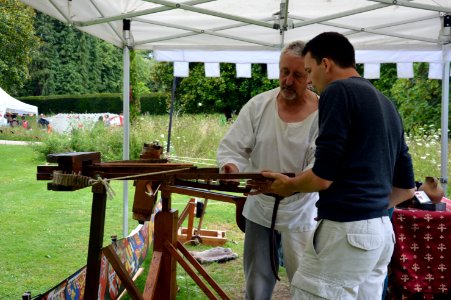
[
  {"x": 166, "y": 230},
  {"x": 202, "y": 271},
  {"x": 161, "y": 282},
  {"x": 189, "y": 230},
  {"x": 190, "y": 271},
  {"x": 122, "y": 273},
  {"x": 95, "y": 241},
  {"x": 152, "y": 277}
]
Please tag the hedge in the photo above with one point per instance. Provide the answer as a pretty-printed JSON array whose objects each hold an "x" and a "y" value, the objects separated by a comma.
[{"x": 155, "y": 103}]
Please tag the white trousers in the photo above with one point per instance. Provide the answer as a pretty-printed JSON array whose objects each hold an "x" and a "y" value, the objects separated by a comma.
[{"x": 345, "y": 260}]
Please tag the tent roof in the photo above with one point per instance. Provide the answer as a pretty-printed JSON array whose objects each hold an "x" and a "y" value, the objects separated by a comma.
[
  {"x": 12, "y": 105},
  {"x": 250, "y": 25}
]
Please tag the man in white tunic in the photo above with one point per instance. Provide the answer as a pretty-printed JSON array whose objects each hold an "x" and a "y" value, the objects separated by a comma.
[{"x": 275, "y": 130}]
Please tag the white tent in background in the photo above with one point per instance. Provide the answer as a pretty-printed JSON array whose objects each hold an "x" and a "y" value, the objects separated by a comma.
[
  {"x": 254, "y": 31},
  {"x": 12, "y": 105}
]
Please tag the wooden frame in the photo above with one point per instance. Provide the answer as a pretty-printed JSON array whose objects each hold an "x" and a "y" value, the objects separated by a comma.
[{"x": 155, "y": 177}]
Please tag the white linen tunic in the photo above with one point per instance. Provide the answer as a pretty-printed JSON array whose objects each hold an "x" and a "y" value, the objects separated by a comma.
[{"x": 259, "y": 140}]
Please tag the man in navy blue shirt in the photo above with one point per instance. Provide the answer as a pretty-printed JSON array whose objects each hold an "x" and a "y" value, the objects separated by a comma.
[{"x": 362, "y": 168}]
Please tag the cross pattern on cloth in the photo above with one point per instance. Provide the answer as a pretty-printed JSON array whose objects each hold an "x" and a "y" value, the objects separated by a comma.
[{"x": 421, "y": 262}]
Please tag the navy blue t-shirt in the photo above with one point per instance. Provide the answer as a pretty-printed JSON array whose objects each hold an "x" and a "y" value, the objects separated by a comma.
[{"x": 361, "y": 148}]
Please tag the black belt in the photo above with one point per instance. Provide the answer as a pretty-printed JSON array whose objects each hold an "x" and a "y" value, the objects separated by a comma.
[{"x": 272, "y": 241}]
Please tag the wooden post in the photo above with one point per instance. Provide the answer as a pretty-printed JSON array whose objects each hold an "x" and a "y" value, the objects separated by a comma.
[
  {"x": 166, "y": 225},
  {"x": 95, "y": 241}
]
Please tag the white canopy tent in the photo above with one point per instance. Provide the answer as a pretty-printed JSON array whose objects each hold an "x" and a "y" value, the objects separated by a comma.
[
  {"x": 254, "y": 31},
  {"x": 9, "y": 104}
]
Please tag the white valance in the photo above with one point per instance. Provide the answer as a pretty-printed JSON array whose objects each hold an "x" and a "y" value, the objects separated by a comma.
[{"x": 212, "y": 70}]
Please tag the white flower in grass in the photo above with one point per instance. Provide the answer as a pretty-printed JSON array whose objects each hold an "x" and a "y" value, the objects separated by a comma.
[
  {"x": 162, "y": 135},
  {"x": 419, "y": 144},
  {"x": 423, "y": 157},
  {"x": 199, "y": 104}
]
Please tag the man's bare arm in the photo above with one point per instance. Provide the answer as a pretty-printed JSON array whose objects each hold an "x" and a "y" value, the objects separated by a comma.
[
  {"x": 305, "y": 182},
  {"x": 399, "y": 195}
]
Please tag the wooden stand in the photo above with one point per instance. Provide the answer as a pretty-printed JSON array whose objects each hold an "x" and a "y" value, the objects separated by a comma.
[
  {"x": 166, "y": 253},
  {"x": 168, "y": 179},
  {"x": 191, "y": 234}
]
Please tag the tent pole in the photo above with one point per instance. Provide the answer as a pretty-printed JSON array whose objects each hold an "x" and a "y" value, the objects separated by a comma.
[
  {"x": 444, "y": 126},
  {"x": 126, "y": 141},
  {"x": 171, "y": 112}
]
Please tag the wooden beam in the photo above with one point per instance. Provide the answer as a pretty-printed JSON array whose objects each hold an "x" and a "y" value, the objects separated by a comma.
[
  {"x": 152, "y": 276},
  {"x": 121, "y": 272},
  {"x": 202, "y": 271},
  {"x": 190, "y": 271}
]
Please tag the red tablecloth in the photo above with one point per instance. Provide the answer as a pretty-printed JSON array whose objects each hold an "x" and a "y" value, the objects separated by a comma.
[{"x": 421, "y": 262}]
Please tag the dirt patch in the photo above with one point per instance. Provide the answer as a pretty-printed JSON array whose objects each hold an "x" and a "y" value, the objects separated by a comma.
[{"x": 281, "y": 291}]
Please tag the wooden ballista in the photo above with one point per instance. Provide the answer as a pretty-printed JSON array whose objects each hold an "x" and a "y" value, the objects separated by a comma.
[{"x": 151, "y": 176}]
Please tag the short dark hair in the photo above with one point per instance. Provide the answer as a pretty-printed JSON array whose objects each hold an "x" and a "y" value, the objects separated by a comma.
[{"x": 331, "y": 45}]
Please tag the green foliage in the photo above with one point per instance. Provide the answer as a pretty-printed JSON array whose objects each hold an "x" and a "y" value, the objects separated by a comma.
[
  {"x": 135, "y": 103},
  {"x": 110, "y": 66},
  {"x": 424, "y": 146},
  {"x": 155, "y": 103},
  {"x": 95, "y": 103},
  {"x": 200, "y": 94},
  {"x": 44, "y": 61},
  {"x": 195, "y": 136},
  {"x": 80, "y": 140},
  {"x": 18, "y": 43},
  {"x": 142, "y": 65},
  {"x": 387, "y": 79},
  {"x": 161, "y": 77},
  {"x": 418, "y": 99},
  {"x": 69, "y": 61}
]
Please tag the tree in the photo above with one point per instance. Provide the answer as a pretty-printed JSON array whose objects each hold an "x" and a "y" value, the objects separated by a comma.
[
  {"x": 418, "y": 99},
  {"x": 385, "y": 83},
  {"x": 18, "y": 43},
  {"x": 200, "y": 94},
  {"x": 69, "y": 61}
]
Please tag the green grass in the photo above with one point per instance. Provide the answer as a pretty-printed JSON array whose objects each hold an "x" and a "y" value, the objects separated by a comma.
[{"x": 45, "y": 233}]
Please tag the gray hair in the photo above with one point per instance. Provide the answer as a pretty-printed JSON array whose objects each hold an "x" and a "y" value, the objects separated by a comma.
[{"x": 295, "y": 48}]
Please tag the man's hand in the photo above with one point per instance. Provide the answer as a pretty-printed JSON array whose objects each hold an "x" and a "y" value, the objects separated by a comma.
[
  {"x": 281, "y": 185},
  {"x": 229, "y": 169},
  {"x": 276, "y": 183}
]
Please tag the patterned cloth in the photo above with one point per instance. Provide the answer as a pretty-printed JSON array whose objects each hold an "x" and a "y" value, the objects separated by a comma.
[{"x": 421, "y": 262}]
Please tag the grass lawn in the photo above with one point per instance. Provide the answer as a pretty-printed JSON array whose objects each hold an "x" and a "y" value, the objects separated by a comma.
[{"x": 45, "y": 233}]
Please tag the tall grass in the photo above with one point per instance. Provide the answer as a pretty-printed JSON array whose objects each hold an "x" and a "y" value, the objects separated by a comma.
[
  {"x": 425, "y": 147},
  {"x": 192, "y": 136}
]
